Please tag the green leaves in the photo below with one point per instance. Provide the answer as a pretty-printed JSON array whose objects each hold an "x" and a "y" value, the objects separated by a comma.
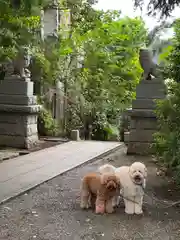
[
  {"x": 17, "y": 28},
  {"x": 167, "y": 139},
  {"x": 111, "y": 67}
]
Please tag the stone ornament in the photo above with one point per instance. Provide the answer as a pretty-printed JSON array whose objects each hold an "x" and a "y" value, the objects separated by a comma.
[
  {"x": 18, "y": 68},
  {"x": 149, "y": 67}
]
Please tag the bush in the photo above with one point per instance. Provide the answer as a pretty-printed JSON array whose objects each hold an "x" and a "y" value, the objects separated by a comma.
[
  {"x": 112, "y": 132},
  {"x": 124, "y": 125},
  {"x": 47, "y": 126},
  {"x": 106, "y": 132},
  {"x": 167, "y": 139}
]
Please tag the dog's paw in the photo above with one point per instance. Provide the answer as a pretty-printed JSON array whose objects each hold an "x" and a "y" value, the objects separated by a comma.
[
  {"x": 110, "y": 210},
  {"x": 85, "y": 205},
  {"x": 115, "y": 202},
  {"x": 129, "y": 211},
  {"x": 139, "y": 211},
  {"x": 100, "y": 209},
  {"x": 118, "y": 200}
]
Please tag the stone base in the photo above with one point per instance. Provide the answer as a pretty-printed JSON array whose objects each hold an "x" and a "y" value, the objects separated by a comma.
[
  {"x": 18, "y": 113},
  {"x": 139, "y": 148},
  {"x": 143, "y": 118},
  {"x": 141, "y": 135},
  {"x": 142, "y": 127},
  {"x": 21, "y": 142},
  {"x": 18, "y": 130}
]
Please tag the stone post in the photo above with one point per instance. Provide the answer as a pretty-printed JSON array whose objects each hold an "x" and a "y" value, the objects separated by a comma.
[
  {"x": 143, "y": 122},
  {"x": 18, "y": 107}
]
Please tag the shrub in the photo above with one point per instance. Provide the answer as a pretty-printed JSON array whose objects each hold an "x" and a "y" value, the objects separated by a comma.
[
  {"x": 124, "y": 125},
  {"x": 47, "y": 126},
  {"x": 106, "y": 132},
  {"x": 167, "y": 139}
]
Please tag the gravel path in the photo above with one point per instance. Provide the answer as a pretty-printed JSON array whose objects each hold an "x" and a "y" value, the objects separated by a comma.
[{"x": 51, "y": 211}]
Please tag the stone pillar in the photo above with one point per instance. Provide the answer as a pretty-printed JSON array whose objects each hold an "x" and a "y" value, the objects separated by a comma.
[
  {"x": 75, "y": 135},
  {"x": 18, "y": 114},
  {"x": 143, "y": 119}
]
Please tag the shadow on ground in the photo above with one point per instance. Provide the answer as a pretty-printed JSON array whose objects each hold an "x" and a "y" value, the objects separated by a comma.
[{"x": 51, "y": 211}]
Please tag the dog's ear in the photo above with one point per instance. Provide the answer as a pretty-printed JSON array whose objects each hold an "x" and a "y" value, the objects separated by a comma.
[
  {"x": 118, "y": 181},
  {"x": 104, "y": 179},
  {"x": 131, "y": 170}
]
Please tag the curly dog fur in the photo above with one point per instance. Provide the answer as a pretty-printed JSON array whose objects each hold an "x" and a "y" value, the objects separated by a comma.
[
  {"x": 133, "y": 183},
  {"x": 102, "y": 188}
]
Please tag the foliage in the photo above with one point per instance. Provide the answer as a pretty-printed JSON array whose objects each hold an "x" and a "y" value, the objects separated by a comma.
[
  {"x": 172, "y": 68},
  {"x": 166, "y": 50},
  {"x": 157, "y": 31},
  {"x": 108, "y": 132},
  {"x": 47, "y": 126},
  {"x": 97, "y": 60},
  {"x": 18, "y": 26},
  {"x": 167, "y": 139},
  {"x": 156, "y": 43},
  {"x": 167, "y": 143},
  {"x": 110, "y": 69},
  {"x": 162, "y": 7},
  {"x": 82, "y": 13}
]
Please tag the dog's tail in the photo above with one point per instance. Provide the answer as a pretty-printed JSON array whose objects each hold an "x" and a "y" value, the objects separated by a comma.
[{"x": 107, "y": 168}]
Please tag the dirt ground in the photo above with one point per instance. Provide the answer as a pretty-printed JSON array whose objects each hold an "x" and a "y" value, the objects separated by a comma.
[{"x": 51, "y": 211}]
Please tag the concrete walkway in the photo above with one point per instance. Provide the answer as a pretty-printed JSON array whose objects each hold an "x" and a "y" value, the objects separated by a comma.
[{"x": 25, "y": 172}]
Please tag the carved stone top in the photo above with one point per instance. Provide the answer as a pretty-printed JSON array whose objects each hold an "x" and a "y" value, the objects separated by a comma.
[
  {"x": 147, "y": 64},
  {"x": 18, "y": 68}
]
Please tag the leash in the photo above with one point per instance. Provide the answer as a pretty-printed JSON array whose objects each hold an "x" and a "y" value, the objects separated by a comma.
[
  {"x": 153, "y": 198},
  {"x": 164, "y": 202}
]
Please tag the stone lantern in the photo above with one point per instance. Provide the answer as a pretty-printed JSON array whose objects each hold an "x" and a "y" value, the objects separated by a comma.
[
  {"x": 18, "y": 105},
  {"x": 55, "y": 21},
  {"x": 143, "y": 123},
  {"x": 50, "y": 20}
]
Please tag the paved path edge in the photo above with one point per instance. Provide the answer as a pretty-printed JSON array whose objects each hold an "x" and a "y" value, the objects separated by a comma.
[{"x": 104, "y": 154}]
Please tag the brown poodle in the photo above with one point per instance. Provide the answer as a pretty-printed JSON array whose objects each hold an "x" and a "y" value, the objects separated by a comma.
[{"x": 101, "y": 188}]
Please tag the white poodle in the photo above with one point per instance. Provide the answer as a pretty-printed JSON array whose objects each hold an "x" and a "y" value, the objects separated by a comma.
[{"x": 133, "y": 183}]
